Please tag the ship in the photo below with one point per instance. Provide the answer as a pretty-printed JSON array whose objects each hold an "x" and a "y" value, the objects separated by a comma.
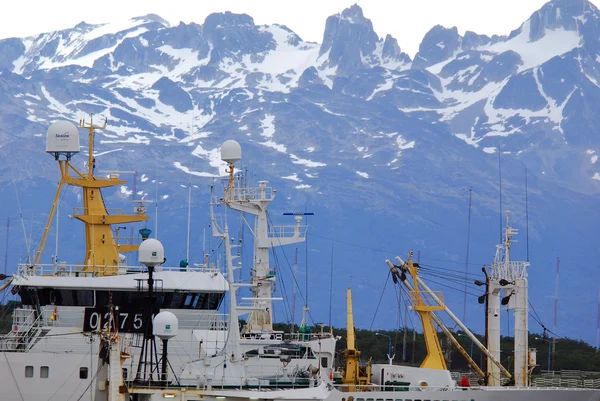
[
  {"x": 86, "y": 330},
  {"x": 506, "y": 285},
  {"x": 102, "y": 330}
]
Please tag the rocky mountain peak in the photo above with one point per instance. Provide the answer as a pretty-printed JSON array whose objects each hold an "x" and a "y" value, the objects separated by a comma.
[
  {"x": 439, "y": 44},
  {"x": 569, "y": 15},
  {"x": 348, "y": 36}
]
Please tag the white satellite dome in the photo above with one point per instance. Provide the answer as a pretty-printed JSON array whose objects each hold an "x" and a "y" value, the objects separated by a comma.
[
  {"x": 62, "y": 137},
  {"x": 231, "y": 151},
  {"x": 165, "y": 325},
  {"x": 151, "y": 252}
]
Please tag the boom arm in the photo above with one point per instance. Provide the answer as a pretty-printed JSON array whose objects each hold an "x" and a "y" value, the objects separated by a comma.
[{"x": 351, "y": 342}]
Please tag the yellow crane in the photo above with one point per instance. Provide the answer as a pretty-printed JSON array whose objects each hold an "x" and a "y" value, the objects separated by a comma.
[{"x": 353, "y": 374}]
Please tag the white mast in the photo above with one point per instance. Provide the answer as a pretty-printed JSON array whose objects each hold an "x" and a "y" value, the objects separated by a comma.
[
  {"x": 510, "y": 279},
  {"x": 234, "y": 328},
  {"x": 254, "y": 201}
]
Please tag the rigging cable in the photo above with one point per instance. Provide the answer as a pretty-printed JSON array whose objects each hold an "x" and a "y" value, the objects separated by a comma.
[
  {"x": 380, "y": 298},
  {"x": 71, "y": 375},
  {"x": 290, "y": 268},
  {"x": 91, "y": 381},
  {"x": 387, "y": 251}
]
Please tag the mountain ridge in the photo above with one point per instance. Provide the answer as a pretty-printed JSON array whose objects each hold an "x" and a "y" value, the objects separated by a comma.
[{"x": 351, "y": 127}]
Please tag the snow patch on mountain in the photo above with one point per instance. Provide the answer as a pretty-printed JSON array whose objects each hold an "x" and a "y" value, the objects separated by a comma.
[
  {"x": 403, "y": 144},
  {"x": 306, "y": 162},
  {"x": 267, "y": 125},
  {"x": 187, "y": 59},
  {"x": 555, "y": 42}
]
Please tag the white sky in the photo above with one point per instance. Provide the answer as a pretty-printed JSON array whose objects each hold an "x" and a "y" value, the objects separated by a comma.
[{"x": 406, "y": 20}]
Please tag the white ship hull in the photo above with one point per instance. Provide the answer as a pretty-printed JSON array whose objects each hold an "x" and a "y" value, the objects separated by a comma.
[
  {"x": 472, "y": 394},
  {"x": 63, "y": 382}
]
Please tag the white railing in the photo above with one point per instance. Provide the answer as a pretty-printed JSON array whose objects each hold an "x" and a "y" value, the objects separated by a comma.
[
  {"x": 288, "y": 231},
  {"x": 249, "y": 194},
  {"x": 514, "y": 270},
  {"x": 63, "y": 269},
  {"x": 307, "y": 336},
  {"x": 189, "y": 319}
]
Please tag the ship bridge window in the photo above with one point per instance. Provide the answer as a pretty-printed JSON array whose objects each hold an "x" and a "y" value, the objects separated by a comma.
[
  {"x": 58, "y": 297},
  {"x": 163, "y": 300}
]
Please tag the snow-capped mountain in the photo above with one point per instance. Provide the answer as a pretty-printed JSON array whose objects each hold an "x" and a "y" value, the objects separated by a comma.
[{"x": 383, "y": 148}]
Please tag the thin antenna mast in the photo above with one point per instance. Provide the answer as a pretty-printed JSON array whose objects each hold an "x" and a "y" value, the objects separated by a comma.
[
  {"x": 527, "y": 215},
  {"x": 27, "y": 244},
  {"x": 156, "y": 205},
  {"x": 598, "y": 326},
  {"x": 467, "y": 258},
  {"x": 331, "y": 288},
  {"x": 500, "y": 182},
  {"x": 555, "y": 314},
  {"x": 6, "y": 246},
  {"x": 294, "y": 291},
  {"x": 189, "y": 219},
  {"x": 189, "y": 214}
]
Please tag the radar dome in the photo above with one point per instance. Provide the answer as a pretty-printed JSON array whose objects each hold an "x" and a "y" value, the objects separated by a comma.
[
  {"x": 231, "y": 151},
  {"x": 62, "y": 138},
  {"x": 151, "y": 252},
  {"x": 165, "y": 325}
]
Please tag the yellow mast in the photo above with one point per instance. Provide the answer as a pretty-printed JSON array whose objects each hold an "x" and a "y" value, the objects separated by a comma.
[
  {"x": 435, "y": 357},
  {"x": 353, "y": 374},
  {"x": 102, "y": 252}
]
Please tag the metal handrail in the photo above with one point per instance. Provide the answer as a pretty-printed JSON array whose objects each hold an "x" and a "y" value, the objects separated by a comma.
[{"x": 81, "y": 270}]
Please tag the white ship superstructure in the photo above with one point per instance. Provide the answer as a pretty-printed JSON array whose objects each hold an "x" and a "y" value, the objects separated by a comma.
[{"x": 65, "y": 345}]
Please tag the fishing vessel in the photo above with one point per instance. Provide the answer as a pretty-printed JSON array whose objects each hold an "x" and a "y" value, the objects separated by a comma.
[
  {"x": 506, "y": 286},
  {"x": 85, "y": 330}
]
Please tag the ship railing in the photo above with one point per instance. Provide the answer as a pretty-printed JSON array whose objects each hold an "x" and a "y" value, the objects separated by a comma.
[
  {"x": 514, "y": 270},
  {"x": 290, "y": 376},
  {"x": 191, "y": 319},
  {"x": 307, "y": 336},
  {"x": 251, "y": 194},
  {"x": 62, "y": 269},
  {"x": 366, "y": 388},
  {"x": 287, "y": 231},
  {"x": 26, "y": 326},
  {"x": 377, "y": 387}
]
